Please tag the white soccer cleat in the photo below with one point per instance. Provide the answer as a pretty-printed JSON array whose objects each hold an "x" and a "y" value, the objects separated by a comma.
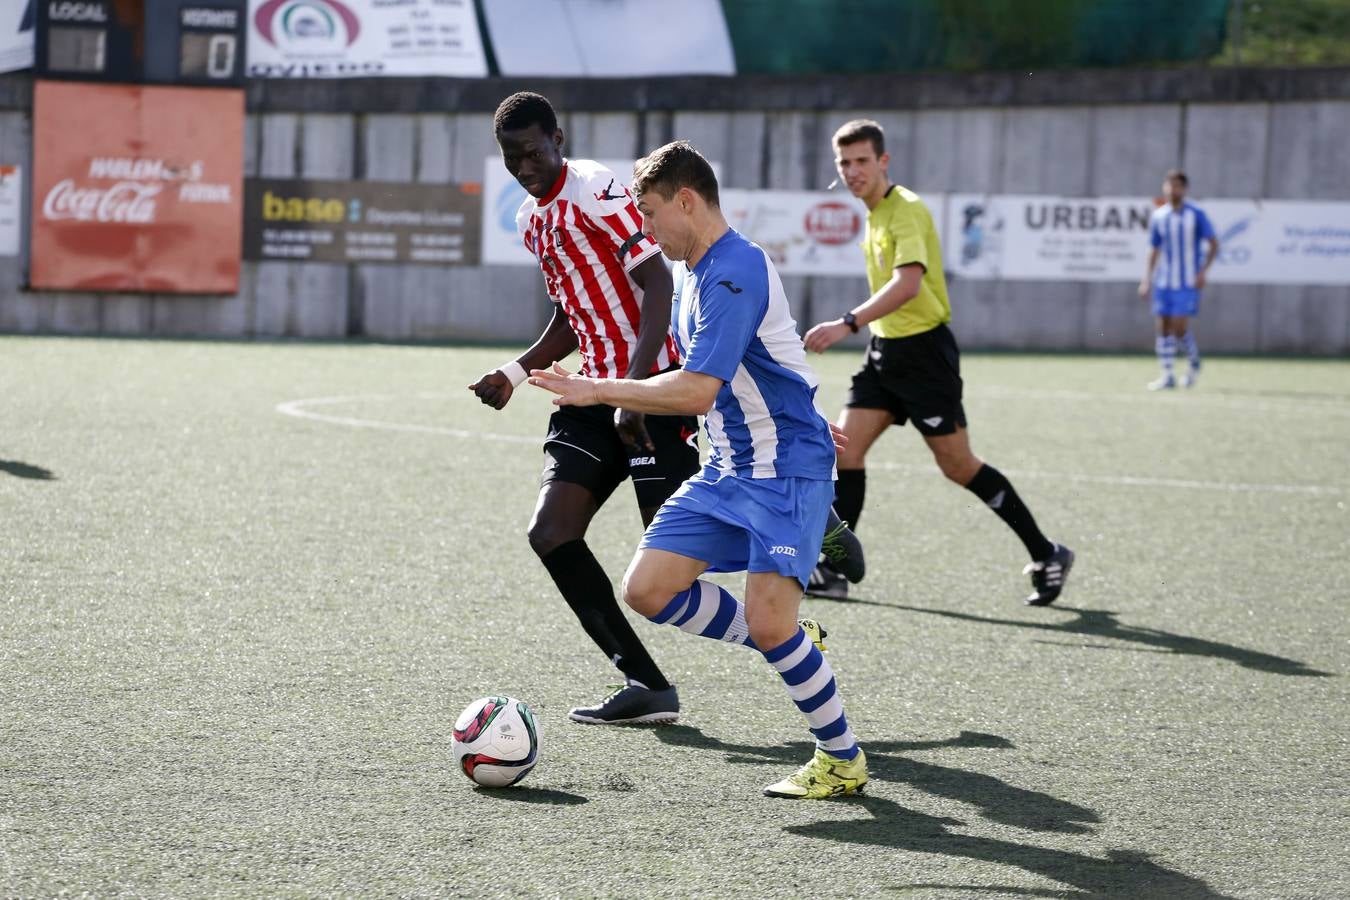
[{"x": 1162, "y": 383}]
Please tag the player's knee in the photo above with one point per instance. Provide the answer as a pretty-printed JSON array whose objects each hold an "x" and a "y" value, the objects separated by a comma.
[
  {"x": 644, "y": 596},
  {"x": 546, "y": 536},
  {"x": 770, "y": 631},
  {"x": 959, "y": 469}
]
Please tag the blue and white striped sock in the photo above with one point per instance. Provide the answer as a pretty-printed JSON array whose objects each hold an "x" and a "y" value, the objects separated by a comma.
[
  {"x": 1192, "y": 349},
  {"x": 708, "y": 611},
  {"x": 1166, "y": 346},
  {"x": 810, "y": 684}
]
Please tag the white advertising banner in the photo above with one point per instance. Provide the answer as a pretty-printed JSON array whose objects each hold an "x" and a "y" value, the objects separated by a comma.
[
  {"x": 363, "y": 38},
  {"x": 11, "y": 209},
  {"x": 16, "y": 35},
  {"x": 1021, "y": 237},
  {"x": 808, "y": 232}
]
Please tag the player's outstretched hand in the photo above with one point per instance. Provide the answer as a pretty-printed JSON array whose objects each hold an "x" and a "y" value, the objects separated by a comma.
[
  {"x": 825, "y": 335},
  {"x": 572, "y": 390},
  {"x": 840, "y": 439},
  {"x": 1143, "y": 289},
  {"x": 494, "y": 389}
]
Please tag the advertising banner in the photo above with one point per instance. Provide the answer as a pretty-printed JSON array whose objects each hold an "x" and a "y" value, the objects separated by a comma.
[
  {"x": 136, "y": 188},
  {"x": 608, "y": 38},
  {"x": 11, "y": 209},
  {"x": 16, "y": 34},
  {"x": 361, "y": 221},
  {"x": 804, "y": 232},
  {"x": 502, "y": 196},
  {"x": 364, "y": 38},
  {"x": 1022, "y": 237}
]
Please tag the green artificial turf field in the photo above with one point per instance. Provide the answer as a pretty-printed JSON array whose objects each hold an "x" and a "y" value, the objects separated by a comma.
[{"x": 246, "y": 588}]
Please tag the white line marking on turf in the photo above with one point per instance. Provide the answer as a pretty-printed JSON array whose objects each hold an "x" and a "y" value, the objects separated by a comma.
[
  {"x": 1197, "y": 397},
  {"x": 298, "y": 408}
]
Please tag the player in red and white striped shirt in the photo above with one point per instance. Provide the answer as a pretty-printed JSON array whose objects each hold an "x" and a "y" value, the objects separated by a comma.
[{"x": 612, "y": 296}]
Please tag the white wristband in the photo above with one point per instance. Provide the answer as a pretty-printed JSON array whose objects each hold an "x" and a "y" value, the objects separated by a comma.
[{"x": 514, "y": 372}]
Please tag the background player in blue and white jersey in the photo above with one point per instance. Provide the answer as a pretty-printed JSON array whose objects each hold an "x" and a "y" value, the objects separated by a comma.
[
  {"x": 761, "y": 502},
  {"x": 1177, "y": 265}
]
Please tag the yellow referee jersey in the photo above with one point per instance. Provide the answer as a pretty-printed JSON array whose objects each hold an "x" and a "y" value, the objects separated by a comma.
[{"x": 900, "y": 231}]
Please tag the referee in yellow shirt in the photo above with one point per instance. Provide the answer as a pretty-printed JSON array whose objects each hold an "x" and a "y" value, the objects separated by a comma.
[{"x": 912, "y": 370}]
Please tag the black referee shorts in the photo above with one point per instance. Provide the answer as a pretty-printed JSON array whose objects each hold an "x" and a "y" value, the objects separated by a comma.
[
  {"x": 583, "y": 447},
  {"x": 915, "y": 378}
]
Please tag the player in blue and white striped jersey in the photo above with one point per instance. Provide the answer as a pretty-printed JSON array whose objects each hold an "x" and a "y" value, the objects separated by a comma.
[
  {"x": 761, "y": 502},
  {"x": 1177, "y": 265}
]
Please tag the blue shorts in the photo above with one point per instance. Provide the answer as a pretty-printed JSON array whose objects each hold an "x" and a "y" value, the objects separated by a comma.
[
  {"x": 737, "y": 524},
  {"x": 1176, "y": 301}
]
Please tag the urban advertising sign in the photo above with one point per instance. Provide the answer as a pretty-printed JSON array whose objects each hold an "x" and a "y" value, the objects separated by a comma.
[
  {"x": 1020, "y": 237},
  {"x": 136, "y": 188},
  {"x": 363, "y": 38},
  {"x": 16, "y": 35},
  {"x": 361, "y": 221}
]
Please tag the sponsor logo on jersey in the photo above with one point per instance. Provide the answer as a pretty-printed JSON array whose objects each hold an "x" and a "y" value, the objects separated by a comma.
[{"x": 780, "y": 550}]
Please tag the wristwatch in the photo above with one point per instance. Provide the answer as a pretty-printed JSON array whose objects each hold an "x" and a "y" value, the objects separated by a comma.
[{"x": 851, "y": 321}]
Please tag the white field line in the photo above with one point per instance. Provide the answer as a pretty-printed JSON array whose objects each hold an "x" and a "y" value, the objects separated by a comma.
[
  {"x": 301, "y": 409},
  {"x": 1181, "y": 396}
]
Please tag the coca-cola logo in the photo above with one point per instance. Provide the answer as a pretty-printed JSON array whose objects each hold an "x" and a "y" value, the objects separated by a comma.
[
  {"x": 832, "y": 223},
  {"x": 124, "y": 201}
]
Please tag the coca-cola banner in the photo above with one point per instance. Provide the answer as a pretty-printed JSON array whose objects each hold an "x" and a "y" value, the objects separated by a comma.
[
  {"x": 136, "y": 188},
  {"x": 362, "y": 221}
]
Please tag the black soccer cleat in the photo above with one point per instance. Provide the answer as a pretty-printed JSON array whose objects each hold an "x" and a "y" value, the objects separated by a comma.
[
  {"x": 842, "y": 549},
  {"x": 1048, "y": 576},
  {"x": 826, "y": 583},
  {"x": 631, "y": 704}
]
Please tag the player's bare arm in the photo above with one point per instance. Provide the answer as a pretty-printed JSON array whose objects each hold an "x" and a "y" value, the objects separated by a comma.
[
  {"x": 657, "y": 291},
  {"x": 1148, "y": 272},
  {"x": 678, "y": 393},
  {"x": 1201, "y": 277},
  {"x": 557, "y": 341},
  {"x": 902, "y": 288}
]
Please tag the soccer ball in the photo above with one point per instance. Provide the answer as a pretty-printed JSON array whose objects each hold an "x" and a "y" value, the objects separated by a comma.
[{"x": 496, "y": 741}]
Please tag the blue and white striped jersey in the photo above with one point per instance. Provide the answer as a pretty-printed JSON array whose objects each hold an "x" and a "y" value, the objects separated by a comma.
[
  {"x": 732, "y": 321},
  {"x": 1180, "y": 235}
]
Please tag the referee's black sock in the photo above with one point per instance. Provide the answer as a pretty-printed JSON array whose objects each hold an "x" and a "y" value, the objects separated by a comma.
[
  {"x": 998, "y": 494},
  {"x": 587, "y": 589},
  {"x": 849, "y": 491}
]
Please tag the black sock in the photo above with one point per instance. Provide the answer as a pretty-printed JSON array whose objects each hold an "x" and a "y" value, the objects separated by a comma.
[
  {"x": 998, "y": 494},
  {"x": 587, "y": 589},
  {"x": 849, "y": 491}
]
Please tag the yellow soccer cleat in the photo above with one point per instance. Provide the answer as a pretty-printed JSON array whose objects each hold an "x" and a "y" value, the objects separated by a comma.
[
  {"x": 815, "y": 632},
  {"x": 824, "y": 776}
]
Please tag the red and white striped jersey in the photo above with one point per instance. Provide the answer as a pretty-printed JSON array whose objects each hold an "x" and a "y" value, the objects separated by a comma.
[{"x": 587, "y": 235}]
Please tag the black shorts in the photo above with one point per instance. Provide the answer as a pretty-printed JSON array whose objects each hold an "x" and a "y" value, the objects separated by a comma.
[
  {"x": 915, "y": 378},
  {"x": 583, "y": 447}
]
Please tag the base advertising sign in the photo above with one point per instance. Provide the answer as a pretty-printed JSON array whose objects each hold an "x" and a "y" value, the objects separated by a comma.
[
  {"x": 364, "y": 38},
  {"x": 362, "y": 221},
  {"x": 136, "y": 188}
]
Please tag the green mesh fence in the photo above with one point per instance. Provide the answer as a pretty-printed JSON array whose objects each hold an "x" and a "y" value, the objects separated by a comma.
[{"x": 802, "y": 36}]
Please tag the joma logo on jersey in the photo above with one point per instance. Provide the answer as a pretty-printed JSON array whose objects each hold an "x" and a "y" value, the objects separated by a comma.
[
  {"x": 642, "y": 461},
  {"x": 780, "y": 550}
]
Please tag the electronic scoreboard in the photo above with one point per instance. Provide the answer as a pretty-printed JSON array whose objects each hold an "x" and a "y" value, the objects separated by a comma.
[{"x": 189, "y": 42}]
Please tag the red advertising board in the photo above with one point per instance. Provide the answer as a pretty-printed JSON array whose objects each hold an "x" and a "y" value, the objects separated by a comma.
[{"x": 137, "y": 188}]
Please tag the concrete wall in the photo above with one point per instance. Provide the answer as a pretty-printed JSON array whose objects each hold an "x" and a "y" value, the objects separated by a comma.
[{"x": 1051, "y": 143}]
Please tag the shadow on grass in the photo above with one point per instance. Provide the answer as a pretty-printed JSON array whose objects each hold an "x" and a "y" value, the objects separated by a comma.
[
  {"x": 997, "y": 800},
  {"x": 523, "y": 794},
  {"x": 1101, "y": 623},
  {"x": 1120, "y": 873},
  {"x": 24, "y": 470}
]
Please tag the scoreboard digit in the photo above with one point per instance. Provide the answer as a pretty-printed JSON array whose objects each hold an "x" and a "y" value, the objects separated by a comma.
[{"x": 211, "y": 44}]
